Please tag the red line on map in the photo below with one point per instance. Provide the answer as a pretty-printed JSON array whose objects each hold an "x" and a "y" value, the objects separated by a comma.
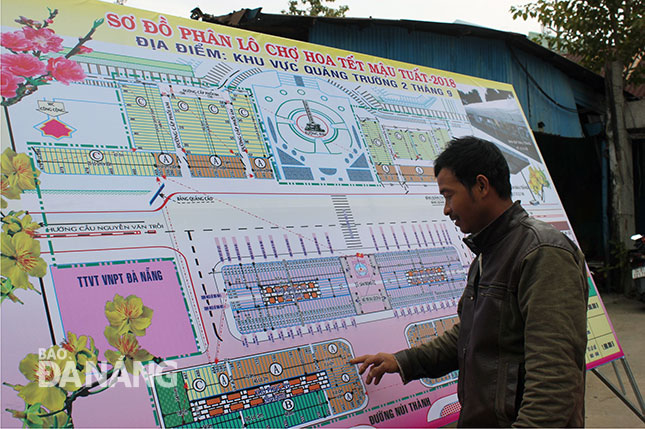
[{"x": 83, "y": 234}]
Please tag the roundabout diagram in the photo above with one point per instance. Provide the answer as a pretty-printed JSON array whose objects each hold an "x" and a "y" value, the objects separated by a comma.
[{"x": 311, "y": 129}]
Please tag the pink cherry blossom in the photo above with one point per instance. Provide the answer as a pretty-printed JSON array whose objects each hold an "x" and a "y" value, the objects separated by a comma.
[
  {"x": 85, "y": 50},
  {"x": 9, "y": 84},
  {"x": 16, "y": 41},
  {"x": 22, "y": 65},
  {"x": 43, "y": 39},
  {"x": 65, "y": 70}
]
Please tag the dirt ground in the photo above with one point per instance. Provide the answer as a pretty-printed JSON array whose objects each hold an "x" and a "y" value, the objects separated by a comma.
[{"x": 603, "y": 408}]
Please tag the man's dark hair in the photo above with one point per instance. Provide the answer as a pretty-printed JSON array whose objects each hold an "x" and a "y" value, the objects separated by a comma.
[{"x": 467, "y": 157}]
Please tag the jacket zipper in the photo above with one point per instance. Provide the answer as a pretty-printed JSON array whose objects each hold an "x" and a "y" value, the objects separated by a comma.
[{"x": 477, "y": 278}]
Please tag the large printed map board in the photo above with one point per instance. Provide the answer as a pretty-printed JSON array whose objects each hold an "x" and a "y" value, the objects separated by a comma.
[{"x": 272, "y": 202}]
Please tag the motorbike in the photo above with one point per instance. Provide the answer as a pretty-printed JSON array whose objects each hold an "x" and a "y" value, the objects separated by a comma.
[{"x": 637, "y": 263}]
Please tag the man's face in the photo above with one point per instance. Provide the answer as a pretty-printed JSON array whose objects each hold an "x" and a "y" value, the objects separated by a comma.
[{"x": 461, "y": 205}]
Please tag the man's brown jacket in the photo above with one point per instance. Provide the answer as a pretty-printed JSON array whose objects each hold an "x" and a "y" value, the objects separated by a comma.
[{"x": 521, "y": 340}]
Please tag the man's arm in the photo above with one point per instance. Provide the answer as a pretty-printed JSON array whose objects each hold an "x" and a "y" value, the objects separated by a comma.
[
  {"x": 552, "y": 296},
  {"x": 433, "y": 359},
  {"x": 379, "y": 364}
]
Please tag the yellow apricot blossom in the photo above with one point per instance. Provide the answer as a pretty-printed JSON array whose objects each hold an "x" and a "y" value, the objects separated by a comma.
[
  {"x": 128, "y": 315},
  {"x": 9, "y": 190},
  {"x": 128, "y": 350},
  {"x": 44, "y": 375},
  {"x": 15, "y": 222},
  {"x": 80, "y": 349},
  {"x": 17, "y": 169},
  {"x": 20, "y": 258}
]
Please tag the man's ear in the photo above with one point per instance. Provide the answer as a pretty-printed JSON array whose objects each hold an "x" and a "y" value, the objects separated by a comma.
[{"x": 482, "y": 186}]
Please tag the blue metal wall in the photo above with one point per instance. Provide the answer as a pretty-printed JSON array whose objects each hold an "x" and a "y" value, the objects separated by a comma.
[{"x": 475, "y": 56}]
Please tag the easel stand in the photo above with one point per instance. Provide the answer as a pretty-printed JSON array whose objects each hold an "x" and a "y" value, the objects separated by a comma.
[{"x": 620, "y": 391}]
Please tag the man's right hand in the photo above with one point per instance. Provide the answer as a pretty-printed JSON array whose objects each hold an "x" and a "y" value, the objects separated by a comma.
[{"x": 380, "y": 364}]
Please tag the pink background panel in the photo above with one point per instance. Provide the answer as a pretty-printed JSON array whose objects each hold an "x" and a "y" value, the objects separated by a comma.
[{"x": 82, "y": 307}]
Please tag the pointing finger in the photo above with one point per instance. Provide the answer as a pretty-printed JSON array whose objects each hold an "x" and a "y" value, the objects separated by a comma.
[
  {"x": 358, "y": 359},
  {"x": 369, "y": 360}
]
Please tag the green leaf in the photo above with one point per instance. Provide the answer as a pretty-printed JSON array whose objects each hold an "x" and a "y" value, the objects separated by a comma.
[{"x": 596, "y": 30}]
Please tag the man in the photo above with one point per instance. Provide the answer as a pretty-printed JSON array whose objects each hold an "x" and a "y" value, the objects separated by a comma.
[{"x": 521, "y": 338}]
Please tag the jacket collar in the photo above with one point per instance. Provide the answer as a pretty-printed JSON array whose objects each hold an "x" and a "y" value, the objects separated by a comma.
[{"x": 497, "y": 229}]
